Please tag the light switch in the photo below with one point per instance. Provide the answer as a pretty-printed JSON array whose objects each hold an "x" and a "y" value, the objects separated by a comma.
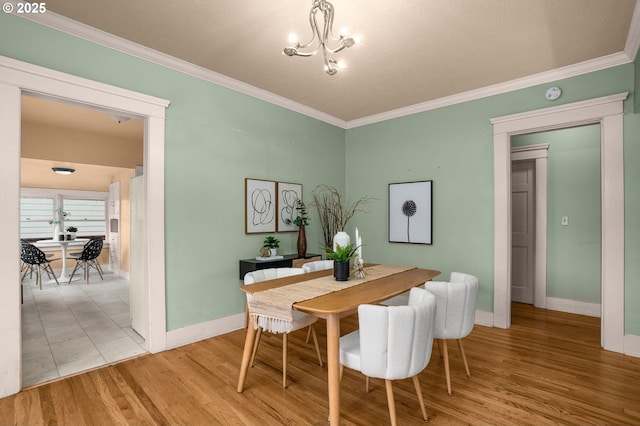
[{"x": 565, "y": 221}]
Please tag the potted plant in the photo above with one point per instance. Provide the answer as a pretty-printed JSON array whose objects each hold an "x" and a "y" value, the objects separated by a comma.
[
  {"x": 72, "y": 232},
  {"x": 341, "y": 257},
  {"x": 272, "y": 244}
]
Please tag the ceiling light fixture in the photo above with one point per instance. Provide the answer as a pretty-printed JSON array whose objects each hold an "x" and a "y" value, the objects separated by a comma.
[
  {"x": 322, "y": 36},
  {"x": 63, "y": 170}
]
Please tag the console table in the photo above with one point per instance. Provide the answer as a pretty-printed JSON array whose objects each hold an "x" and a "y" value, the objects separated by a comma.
[{"x": 287, "y": 261}]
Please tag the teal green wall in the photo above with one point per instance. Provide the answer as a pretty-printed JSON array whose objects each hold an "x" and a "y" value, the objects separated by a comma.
[
  {"x": 573, "y": 251},
  {"x": 215, "y": 138},
  {"x": 453, "y": 146}
]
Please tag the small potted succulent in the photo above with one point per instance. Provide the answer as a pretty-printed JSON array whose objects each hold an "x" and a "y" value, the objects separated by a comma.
[
  {"x": 271, "y": 243},
  {"x": 71, "y": 232},
  {"x": 341, "y": 257}
]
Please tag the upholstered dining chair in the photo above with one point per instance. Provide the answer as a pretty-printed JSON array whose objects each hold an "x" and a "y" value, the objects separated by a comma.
[
  {"x": 317, "y": 265},
  {"x": 456, "y": 313},
  {"x": 300, "y": 319},
  {"x": 88, "y": 258},
  {"x": 392, "y": 343},
  {"x": 35, "y": 260}
]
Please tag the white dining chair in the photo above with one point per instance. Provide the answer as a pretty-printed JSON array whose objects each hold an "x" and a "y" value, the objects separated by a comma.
[
  {"x": 456, "y": 313},
  {"x": 300, "y": 319},
  {"x": 317, "y": 265},
  {"x": 392, "y": 343}
]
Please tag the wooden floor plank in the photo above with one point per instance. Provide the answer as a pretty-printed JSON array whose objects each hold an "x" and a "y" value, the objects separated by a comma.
[{"x": 547, "y": 369}]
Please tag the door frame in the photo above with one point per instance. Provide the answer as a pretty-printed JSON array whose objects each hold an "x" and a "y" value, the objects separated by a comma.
[
  {"x": 539, "y": 153},
  {"x": 16, "y": 78},
  {"x": 609, "y": 113}
]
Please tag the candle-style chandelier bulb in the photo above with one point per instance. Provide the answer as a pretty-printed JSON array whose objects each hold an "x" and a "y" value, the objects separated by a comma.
[{"x": 322, "y": 37}]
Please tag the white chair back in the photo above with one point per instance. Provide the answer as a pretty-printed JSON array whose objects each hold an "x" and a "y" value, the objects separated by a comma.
[
  {"x": 396, "y": 341},
  {"x": 269, "y": 274},
  {"x": 317, "y": 265},
  {"x": 456, "y": 302}
]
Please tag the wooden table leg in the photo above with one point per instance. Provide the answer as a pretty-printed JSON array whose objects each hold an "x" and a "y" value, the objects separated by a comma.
[
  {"x": 333, "y": 367},
  {"x": 246, "y": 356}
]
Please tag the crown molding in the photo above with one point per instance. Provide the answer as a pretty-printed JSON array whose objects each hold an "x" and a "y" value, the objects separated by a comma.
[
  {"x": 77, "y": 29},
  {"x": 102, "y": 38},
  {"x": 498, "y": 89}
]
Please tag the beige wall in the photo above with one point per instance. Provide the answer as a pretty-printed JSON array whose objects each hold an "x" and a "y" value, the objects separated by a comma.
[
  {"x": 45, "y": 142},
  {"x": 99, "y": 160}
]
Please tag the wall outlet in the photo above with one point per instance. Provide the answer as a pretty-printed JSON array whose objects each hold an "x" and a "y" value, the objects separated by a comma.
[{"x": 565, "y": 221}]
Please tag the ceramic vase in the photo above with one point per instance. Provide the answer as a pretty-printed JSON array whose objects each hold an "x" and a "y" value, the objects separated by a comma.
[
  {"x": 341, "y": 238},
  {"x": 56, "y": 232},
  {"x": 302, "y": 242}
]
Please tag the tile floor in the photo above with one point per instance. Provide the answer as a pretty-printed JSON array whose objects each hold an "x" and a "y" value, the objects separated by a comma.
[{"x": 71, "y": 328}]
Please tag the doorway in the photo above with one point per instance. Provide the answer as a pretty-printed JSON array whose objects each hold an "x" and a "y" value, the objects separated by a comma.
[
  {"x": 608, "y": 112},
  {"x": 18, "y": 78},
  {"x": 75, "y": 326}
]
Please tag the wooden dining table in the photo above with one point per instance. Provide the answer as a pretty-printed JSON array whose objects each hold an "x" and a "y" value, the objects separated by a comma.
[{"x": 332, "y": 307}]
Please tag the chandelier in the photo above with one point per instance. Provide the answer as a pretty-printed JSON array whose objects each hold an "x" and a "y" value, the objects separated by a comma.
[{"x": 323, "y": 38}]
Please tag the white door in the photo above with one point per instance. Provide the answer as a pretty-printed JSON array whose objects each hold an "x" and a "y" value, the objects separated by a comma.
[
  {"x": 114, "y": 227},
  {"x": 522, "y": 231},
  {"x": 136, "y": 289}
]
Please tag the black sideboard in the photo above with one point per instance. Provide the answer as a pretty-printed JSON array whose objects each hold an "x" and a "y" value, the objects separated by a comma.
[{"x": 287, "y": 261}]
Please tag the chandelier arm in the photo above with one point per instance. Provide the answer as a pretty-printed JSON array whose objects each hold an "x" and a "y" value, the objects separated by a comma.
[
  {"x": 315, "y": 31},
  {"x": 329, "y": 24}
]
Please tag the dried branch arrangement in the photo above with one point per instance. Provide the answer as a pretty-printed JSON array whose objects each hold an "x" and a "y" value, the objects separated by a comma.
[{"x": 333, "y": 214}]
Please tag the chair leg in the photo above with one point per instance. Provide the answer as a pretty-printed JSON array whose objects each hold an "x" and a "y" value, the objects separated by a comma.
[
  {"x": 416, "y": 383},
  {"x": 391, "y": 402},
  {"x": 308, "y": 335},
  {"x": 312, "y": 328},
  {"x": 255, "y": 345},
  {"x": 74, "y": 271},
  {"x": 49, "y": 270},
  {"x": 366, "y": 384},
  {"x": 39, "y": 277},
  {"x": 446, "y": 365},
  {"x": 464, "y": 357},
  {"x": 99, "y": 268},
  {"x": 284, "y": 359}
]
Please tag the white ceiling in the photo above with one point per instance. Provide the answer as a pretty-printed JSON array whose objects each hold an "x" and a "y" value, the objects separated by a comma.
[{"x": 413, "y": 51}]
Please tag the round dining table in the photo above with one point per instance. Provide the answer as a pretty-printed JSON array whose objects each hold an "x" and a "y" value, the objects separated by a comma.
[{"x": 64, "y": 245}]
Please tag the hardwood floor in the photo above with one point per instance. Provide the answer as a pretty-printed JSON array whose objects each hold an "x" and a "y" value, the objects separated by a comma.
[{"x": 547, "y": 369}]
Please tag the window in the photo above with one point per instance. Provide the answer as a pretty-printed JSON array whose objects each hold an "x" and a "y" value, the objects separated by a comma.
[
  {"x": 86, "y": 210},
  {"x": 35, "y": 214},
  {"x": 89, "y": 216}
]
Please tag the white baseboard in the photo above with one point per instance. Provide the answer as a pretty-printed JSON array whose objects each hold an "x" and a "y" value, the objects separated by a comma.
[
  {"x": 574, "y": 307},
  {"x": 204, "y": 330},
  {"x": 632, "y": 345},
  {"x": 484, "y": 318}
]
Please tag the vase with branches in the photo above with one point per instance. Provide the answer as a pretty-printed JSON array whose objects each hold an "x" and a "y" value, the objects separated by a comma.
[
  {"x": 333, "y": 213},
  {"x": 58, "y": 222}
]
